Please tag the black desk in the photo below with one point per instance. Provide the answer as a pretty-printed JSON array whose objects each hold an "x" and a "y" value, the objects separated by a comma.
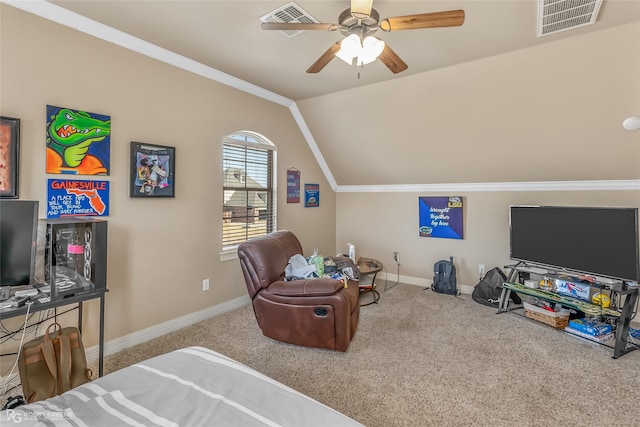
[{"x": 8, "y": 313}]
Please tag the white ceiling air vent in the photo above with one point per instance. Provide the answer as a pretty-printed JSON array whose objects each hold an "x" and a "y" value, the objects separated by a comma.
[
  {"x": 560, "y": 15},
  {"x": 290, "y": 12}
]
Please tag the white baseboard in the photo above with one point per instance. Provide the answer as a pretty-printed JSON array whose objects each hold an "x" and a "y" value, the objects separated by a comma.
[
  {"x": 122, "y": 343},
  {"x": 417, "y": 281}
]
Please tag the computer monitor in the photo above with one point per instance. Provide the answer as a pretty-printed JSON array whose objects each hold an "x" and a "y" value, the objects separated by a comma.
[{"x": 18, "y": 236}]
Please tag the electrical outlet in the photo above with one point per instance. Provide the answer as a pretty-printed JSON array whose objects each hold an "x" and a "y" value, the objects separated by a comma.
[
  {"x": 205, "y": 285},
  {"x": 481, "y": 269},
  {"x": 396, "y": 257}
]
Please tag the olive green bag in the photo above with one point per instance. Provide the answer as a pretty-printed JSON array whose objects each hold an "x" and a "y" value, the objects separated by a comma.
[{"x": 52, "y": 364}]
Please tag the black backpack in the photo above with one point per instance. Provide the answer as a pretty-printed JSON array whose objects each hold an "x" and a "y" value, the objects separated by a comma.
[
  {"x": 489, "y": 289},
  {"x": 444, "y": 277}
]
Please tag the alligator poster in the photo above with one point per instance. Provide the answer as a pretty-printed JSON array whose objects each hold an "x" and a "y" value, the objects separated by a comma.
[
  {"x": 78, "y": 143},
  {"x": 70, "y": 197},
  {"x": 440, "y": 217}
]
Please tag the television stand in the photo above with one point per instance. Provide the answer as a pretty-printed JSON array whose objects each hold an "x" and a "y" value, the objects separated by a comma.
[{"x": 619, "y": 317}]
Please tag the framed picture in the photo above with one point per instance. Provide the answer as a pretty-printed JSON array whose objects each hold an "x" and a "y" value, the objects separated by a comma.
[
  {"x": 153, "y": 170},
  {"x": 311, "y": 195},
  {"x": 78, "y": 142},
  {"x": 9, "y": 157},
  {"x": 440, "y": 217}
]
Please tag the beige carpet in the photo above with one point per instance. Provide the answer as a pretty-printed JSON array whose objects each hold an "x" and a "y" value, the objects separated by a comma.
[{"x": 426, "y": 359}]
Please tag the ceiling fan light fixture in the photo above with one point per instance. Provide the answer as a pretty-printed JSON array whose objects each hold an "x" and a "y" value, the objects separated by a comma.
[
  {"x": 371, "y": 48},
  {"x": 361, "y": 9},
  {"x": 363, "y": 52},
  {"x": 351, "y": 46},
  {"x": 340, "y": 54}
]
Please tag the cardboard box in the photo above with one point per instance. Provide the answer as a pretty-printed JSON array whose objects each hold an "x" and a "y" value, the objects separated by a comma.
[
  {"x": 573, "y": 289},
  {"x": 600, "y": 338},
  {"x": 594, "y": 329}
]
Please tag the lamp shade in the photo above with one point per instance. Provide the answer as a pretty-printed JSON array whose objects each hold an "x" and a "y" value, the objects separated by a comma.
[
  {"x": 371, "y": 49},
  {"x": 361, "y": 9},
  {"x": 350, "y": 48}
]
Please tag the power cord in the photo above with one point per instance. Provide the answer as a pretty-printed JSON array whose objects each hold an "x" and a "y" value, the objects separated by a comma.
[
  {"x": 24, "y": 330},
  {"x": 395, "y": 258}
]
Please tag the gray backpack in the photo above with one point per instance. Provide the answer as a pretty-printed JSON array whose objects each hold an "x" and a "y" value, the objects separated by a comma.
[{"x": 444, "y": 277}]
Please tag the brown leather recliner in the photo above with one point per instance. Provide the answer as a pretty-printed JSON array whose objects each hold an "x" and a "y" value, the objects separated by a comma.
[{"x": 317, "y": 312}]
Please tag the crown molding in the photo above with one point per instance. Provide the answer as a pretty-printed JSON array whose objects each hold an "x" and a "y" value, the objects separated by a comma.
[
  {"x": 593, "y": 185},
  {"x": 297, "y": 116},
  {"x": 73, "y": 20}
]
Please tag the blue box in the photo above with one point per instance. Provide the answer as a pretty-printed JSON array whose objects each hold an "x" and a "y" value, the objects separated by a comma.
[{"x": 594, "y": 329}]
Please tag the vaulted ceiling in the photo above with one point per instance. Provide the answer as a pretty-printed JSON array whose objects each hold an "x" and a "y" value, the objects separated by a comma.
[
  {"x": 473, "y": 100},
  {"x": 227, "y": 36}
]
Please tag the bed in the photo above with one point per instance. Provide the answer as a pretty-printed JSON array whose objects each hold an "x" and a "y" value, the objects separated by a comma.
[{"x": 194, "y": 386}]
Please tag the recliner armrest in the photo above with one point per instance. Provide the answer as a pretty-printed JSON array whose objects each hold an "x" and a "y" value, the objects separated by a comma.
[{"x": 306, "y": 288}]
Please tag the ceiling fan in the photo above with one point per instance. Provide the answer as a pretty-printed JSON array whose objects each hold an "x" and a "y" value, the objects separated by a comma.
[{"x": 358, "y": 23}]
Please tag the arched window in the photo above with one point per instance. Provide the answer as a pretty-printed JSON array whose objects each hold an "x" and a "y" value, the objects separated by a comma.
[{"x": 248, "y": 177}]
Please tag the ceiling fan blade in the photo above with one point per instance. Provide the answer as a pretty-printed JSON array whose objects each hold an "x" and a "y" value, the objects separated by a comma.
[
  {"x": 325, "y": 58},
  {"x": 391, "y": 59},
  {"x": 361, "y": 9},
  {"x": 298, "y": 26},
  {"x": 449, "y": 18}
]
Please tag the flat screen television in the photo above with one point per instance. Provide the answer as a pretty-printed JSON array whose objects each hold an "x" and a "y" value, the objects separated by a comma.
[
  {"x": 597, "y": 241},
  {"x": 18, "y": 236}
]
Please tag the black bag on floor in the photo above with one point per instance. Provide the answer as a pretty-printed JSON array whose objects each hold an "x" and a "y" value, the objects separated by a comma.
[
  {"x": 489, "y": 289},
  {"x": 444, "y": 277}
]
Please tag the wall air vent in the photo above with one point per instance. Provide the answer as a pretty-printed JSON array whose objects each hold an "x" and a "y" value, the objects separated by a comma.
[
  {"x": 292, "y": 13},
  {"x": 560, "y": 15}
]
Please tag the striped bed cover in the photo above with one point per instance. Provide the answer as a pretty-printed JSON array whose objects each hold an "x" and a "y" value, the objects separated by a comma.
[{"x": 193, "y": 386}]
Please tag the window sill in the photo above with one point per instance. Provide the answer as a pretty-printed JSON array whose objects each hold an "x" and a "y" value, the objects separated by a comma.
[{"x": 229, "y": 255}]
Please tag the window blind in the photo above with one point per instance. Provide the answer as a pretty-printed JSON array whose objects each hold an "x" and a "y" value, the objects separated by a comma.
[{"x": 248, "y": 209}]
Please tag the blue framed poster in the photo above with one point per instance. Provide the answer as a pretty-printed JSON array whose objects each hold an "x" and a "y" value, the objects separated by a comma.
[
  {"x": 293, "y": 186},
  {"x": 69, "y": 197},
  {"x": 440, "y": 217},
  {"x": 311, "y": 195}
]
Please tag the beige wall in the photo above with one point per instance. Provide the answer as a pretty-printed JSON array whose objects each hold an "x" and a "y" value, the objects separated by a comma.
[
  {"x": 159, "y": 250},
  {"x": 548, "y": 113},
  {"x": 391, "y": 224}
]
